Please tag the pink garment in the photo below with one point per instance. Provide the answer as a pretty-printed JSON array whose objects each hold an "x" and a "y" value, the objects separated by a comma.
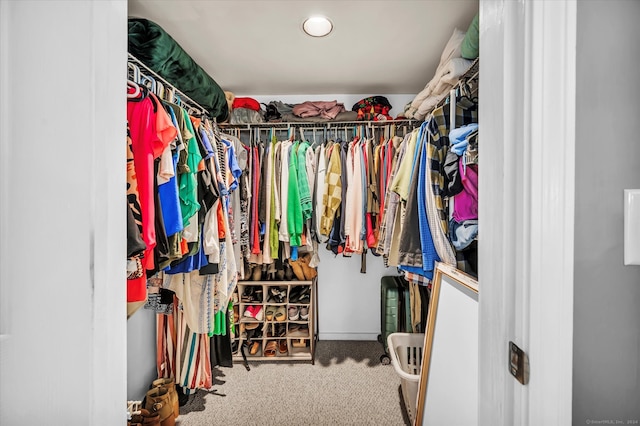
[
  {"x": 324, "y": 109},
  {"x": 465, "y": 204}
]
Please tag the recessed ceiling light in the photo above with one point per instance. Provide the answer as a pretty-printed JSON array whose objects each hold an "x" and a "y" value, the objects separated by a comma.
[{"x": 317, "y": 26}]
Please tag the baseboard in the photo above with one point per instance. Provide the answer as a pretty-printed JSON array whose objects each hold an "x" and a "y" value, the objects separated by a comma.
[{"x": 347, "y": 336}]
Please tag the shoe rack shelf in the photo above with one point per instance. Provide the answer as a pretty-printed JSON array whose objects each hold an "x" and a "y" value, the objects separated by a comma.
[{"x": 276, "y": 320}]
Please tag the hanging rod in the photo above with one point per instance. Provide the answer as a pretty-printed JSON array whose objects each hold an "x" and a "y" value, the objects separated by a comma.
[
  {"x": 320, "y": 124},
  {"x": 189, "y": 102}
]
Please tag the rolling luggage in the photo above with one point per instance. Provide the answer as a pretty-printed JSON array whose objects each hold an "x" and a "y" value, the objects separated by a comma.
[{"x": 395, "y": 313}]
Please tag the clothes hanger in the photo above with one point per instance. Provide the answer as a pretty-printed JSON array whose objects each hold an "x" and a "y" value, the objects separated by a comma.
[
  {"x": 135, "y": 72},
  {"x": 148, "y": 81},
  {"x": 136, "y": 89},
  {"x": 160, "y": 90}
]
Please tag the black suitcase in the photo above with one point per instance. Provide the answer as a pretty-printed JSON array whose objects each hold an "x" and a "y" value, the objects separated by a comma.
[{"x": 395, "y": 310}]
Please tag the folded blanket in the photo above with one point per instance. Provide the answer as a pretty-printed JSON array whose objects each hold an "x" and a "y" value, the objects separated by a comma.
[
  {"x": 159, "y": 51},
  {"x": 449, "y": 66},
  {"x": 245, "y": 116},
  {"x": 325, "y": 109},
  {"x": 343, "y": 116},
  {"x": 447, "y": 77}
]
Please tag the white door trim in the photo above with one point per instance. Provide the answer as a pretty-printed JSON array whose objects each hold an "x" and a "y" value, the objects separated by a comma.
[
  {"x": 553, "y": 104},
  {"x": 527, "y": 116},
  {"x": 109, "y": 382}
]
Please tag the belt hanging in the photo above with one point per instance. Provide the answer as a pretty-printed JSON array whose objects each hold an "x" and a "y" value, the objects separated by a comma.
[{"x": 363, "y": 262}]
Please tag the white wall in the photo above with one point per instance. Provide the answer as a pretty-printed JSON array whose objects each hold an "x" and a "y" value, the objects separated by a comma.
[
  {"x": 141, "y": 353},
  {"x": 606, "y": 357},
  {"x": 62, "y": 255},
  {"x": 348, "y": 301}
]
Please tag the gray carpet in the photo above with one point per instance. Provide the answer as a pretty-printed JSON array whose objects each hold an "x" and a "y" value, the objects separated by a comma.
[{"x": 346, "y": 386}]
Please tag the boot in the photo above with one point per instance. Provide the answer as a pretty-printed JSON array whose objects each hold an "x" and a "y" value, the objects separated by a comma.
[
  {"x": 308, "y": 272},
  {"x": 145, "y": 418},
  {"x": 297, "y": 269},
  {"x": 173, "y": 395},
  {"x": 288, "y": 271},
  {"x": 159, "y": 401},
  {"x": 279, "y": 270}
]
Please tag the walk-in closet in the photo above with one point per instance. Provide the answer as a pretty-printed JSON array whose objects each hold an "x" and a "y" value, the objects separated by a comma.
[
  {"x": 283, "y": 228},
  {"x": 308, "y": 237}
]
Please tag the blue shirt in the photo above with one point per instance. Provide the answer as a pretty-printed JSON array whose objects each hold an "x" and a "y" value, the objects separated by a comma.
[{"x": 169, "y": 197}]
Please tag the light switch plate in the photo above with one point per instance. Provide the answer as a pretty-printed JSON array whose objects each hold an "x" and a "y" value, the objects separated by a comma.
[{"x": 632, "y": 226}]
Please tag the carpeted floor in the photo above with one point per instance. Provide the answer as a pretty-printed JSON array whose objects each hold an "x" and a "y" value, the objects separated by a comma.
[{"x": 346, "y": 386}]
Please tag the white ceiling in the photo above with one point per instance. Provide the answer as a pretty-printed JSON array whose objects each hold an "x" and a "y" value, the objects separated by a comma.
[{"x": 257, "y": 47}]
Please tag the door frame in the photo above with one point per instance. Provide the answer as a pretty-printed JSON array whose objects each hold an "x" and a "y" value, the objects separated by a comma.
[{"x": 527, "y": 115}]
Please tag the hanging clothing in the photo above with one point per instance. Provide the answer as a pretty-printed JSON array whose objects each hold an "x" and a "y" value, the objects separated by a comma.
[
  {"x": 283, "y": 229},
  {"x": 294, "y": 207},
  {"x": 319, "y": 199},
  {"x": 151, "y": 132},
  {"x": 332, "y": 196}
]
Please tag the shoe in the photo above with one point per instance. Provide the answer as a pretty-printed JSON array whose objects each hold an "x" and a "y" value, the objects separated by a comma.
[
  {"x": 295, "y": 293},
  {"x": 270, "y": 348},
  {"x": 281, "y": 313},
  {"x": 293, "y": 329},
  {"x": 247, "y": 294},
  {"x": 270, "y": 312},
  {"x": 254, "y": 311},
  {"x": 236, "y": 314},
  {"x": 258, "y": 313},
  {"x": 282, "y": 346},
  {"x": 251, "y": 326},
  {"x": 256, "y": 273},
  {"x": 288, "y": 271},
  {"x": 254, "y": 348},
  {"x": 277, "y": 295},
  {"x": 170, "y": 385},
  {"x": 249, "y": 311},
  {"x": 304, "y": 295},
  {"x": 252, "y": 294},
  {"x": 298, "y": 330},
  {"x": 296, "y": 265},
  {"x": 145, "y": 417},
  {"x": 304, "y": 312},
  {"x": 257, "y": 295},
  {"x": 279, "y": 270},
  {"x": 294, "y": 313},
  {"x": 308, "y": 272},
  {"x": 299, "y": 343}
]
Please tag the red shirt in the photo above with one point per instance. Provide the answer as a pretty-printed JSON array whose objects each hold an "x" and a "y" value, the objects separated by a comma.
[{"x": 151, "y": 132}]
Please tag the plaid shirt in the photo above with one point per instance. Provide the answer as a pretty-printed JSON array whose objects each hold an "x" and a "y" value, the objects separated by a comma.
[
  {"x": 416, "y": 278},
  {"x": 332, "y": 197},
  {"x": 438, "y": 145}
]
